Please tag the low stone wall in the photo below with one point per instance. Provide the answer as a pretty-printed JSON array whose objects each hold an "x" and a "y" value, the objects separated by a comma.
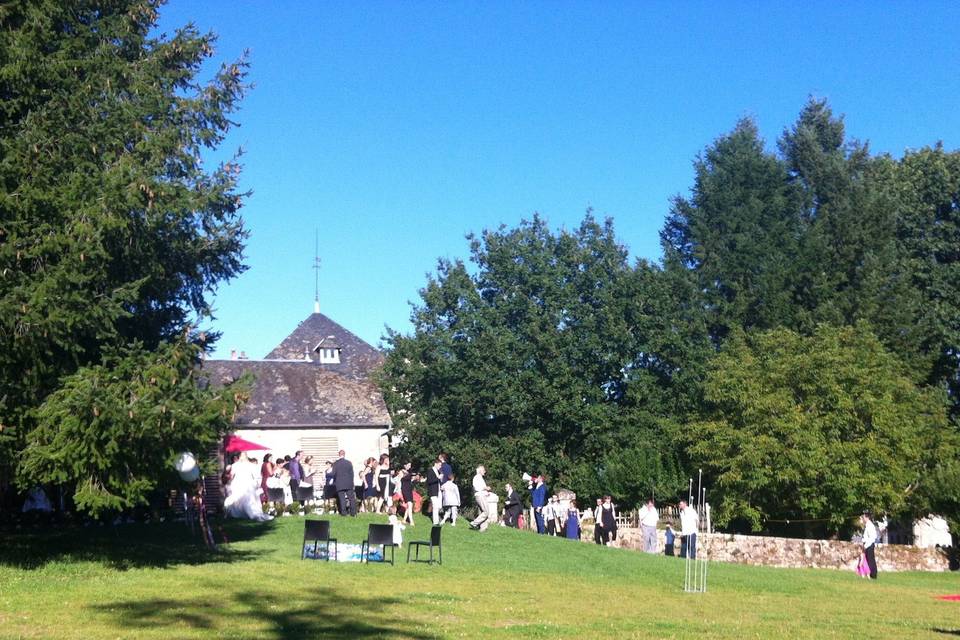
[{"x": 797, "y": 553}]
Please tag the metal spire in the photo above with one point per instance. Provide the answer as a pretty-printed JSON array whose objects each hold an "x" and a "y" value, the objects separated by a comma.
[{"x": 316, "y": 272}]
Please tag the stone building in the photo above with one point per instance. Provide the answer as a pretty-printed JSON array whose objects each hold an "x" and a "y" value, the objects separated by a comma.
[{"x": 312, "y": 393}]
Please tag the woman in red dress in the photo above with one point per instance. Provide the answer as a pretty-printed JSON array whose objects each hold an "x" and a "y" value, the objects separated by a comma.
[{"x": 266, "y": 470}]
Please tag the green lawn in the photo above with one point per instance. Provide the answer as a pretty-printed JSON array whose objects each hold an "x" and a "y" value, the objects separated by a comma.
[{"x": 153, "y": 581}]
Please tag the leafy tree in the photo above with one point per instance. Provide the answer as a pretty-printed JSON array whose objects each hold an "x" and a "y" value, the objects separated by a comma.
[
  {"x": 112, "y": 229},
  {"x": 847, "y": 269},
  {"x": 112, "y": 429},
  {"x": 738, "y": 234},
  {"x": 815, "y": 427},
  {"x": 533, "y": 362},
  {"x": 929, "y": 256}
]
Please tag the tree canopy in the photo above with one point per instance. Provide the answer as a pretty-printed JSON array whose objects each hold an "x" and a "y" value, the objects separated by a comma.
[
  {"x": 545, "y": 358},
  {"x": 113, "y": 231},
  {"x": 815, "y": 427}
]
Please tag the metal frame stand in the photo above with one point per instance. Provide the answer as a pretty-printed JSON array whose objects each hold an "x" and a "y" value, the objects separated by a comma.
[{"x": 695, "y": 571}]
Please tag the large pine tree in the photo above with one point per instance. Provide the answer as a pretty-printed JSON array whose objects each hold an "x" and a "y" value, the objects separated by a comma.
[{"x": 113, "y": 232}]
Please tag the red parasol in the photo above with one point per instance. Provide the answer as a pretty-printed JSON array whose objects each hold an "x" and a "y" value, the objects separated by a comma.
[{"x": 236, "y": 443}]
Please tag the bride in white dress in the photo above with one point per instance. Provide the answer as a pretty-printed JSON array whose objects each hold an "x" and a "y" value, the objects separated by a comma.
[{"x": 242, "y": 500}]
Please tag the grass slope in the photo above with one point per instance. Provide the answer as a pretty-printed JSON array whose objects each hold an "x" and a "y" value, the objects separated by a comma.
[{"x": 153, "y": 581}]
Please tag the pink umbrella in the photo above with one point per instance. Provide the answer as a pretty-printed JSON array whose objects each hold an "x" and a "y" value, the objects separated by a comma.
[{"x": 236, "y": 443}]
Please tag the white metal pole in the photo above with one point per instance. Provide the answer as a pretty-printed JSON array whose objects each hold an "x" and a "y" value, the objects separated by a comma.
[{"x": 705, "y": 556}]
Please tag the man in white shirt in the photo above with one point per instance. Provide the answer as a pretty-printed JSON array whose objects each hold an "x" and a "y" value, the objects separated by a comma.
[
  {"x": 870, "y": 542},
  {"x": 648, "y": 526},
  {"x": 480, "y": 490},
  {"x": 548, "y": 518},
  {"x": 689, "y": 521}
]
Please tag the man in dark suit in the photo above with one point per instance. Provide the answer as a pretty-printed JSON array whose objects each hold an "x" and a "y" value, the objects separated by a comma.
[
  {"x": 434, "y": 480},
  {"x": 343, "y": 480},
  {"x": 512, "y": 506},
  {"x": 538, "y": 496}
]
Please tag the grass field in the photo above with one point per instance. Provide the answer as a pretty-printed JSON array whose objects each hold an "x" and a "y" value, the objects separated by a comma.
[{"x": 154, "y": 581}]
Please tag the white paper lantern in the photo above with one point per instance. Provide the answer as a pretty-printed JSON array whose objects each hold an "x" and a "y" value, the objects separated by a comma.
[{"x": 186, "y": 466}]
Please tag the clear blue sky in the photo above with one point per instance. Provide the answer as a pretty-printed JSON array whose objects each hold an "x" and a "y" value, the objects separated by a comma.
[{"x": 397, "y": 127}]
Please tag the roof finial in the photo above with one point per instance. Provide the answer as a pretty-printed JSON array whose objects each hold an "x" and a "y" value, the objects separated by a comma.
[{"x": 316, "y": 272}]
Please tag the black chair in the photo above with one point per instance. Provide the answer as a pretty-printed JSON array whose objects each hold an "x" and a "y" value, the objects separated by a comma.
[
  {"x": 318, "y": 531},
  {"x": 378, "y": 534},
  {"x": 434, "y": 542}
]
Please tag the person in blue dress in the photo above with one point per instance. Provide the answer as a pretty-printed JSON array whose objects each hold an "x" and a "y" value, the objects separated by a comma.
[
  {"x": 573, "y": 521},
  {"x": 369, "y": 485}
]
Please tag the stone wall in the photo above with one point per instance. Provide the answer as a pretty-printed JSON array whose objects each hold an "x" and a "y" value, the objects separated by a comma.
[{"x": 792, "y": 552}]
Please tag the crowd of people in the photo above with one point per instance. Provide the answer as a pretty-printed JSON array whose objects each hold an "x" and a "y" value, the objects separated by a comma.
[{"x": 380, "y": 487}]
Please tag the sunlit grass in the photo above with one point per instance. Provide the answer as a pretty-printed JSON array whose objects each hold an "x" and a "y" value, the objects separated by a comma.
[{"x": 153, "y": 581}]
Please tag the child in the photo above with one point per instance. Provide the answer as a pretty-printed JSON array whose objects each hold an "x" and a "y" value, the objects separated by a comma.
[
  {"x": 668, "y": 547},
  {"x": 397, "y": 527},
  {"x": 451, "y": 500}
]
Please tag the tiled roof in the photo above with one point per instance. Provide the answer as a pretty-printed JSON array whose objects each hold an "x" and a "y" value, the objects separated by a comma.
[
  {"x": 357, "y": 358},
  {"x": 288, "y": 394}
]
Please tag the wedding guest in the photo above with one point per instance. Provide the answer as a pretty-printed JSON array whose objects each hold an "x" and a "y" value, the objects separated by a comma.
[
  {"x": 329, "y": 488},
  {"x": 870, "y": 542},
  {"x": 266, "y": 471},
  {"x": 597, "y": 528},
  {"x": 305, "y": 488},
  {"x": 648, "y": 526},
  {"x": 512, "y": 506},
  {"x": 384, "y": 482},
  {"x": 480, "y": 491},
  {"x": 445, "y": 469},
  {"x": 689, "y": 521},
  {"x": 397, "y": 526},
  {"x": 607, "y": 521},
  {"x": 405, "y": 478},
  {"x": 538, "y": 497},
  {"x": 573, "y": 521},
  {"x": 434, "y": 480},
  {"x": 343, "y": 480},
  {"x": 670, "y": 537},
  {"x": 451, "y": 499},
  {"x": 369, "y": 474},
  {"x": 548, "y": 520}
]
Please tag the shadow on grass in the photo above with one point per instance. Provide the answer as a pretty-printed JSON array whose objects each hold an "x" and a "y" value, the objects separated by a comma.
[
  {"x": 121, "y": 547},
  {"x": 946, "y": 632},
  {"x": 319, "y": 612}
]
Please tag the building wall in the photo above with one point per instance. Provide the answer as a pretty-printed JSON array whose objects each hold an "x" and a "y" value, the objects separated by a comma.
[{"x": 359, "y": 444}]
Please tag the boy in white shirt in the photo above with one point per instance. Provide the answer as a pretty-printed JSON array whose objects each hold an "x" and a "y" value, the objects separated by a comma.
[{"x": 451, "y": 500}]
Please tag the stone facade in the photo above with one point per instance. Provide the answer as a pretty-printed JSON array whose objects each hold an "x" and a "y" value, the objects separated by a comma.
[{"x": 798, "y": 553}]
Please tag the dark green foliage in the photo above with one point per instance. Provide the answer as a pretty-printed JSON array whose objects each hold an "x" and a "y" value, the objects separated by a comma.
[
  {"x": 928, "y": 200},
  {"x": 540, "y": 361},
  {"x": 112, "y": 430},
  {"x": 815, "y": 427},
  {"x": 738, "y": 235},
  {"x": 112, "y": 231}
]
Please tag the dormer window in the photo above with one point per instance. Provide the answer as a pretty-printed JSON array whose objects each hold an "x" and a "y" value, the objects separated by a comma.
[
  {"x": 329, "y": 356},
  {"x": 327, "y": 351}
]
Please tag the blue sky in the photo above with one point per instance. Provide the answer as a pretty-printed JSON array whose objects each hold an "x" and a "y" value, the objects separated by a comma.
[{"x": 397, "y": 127}]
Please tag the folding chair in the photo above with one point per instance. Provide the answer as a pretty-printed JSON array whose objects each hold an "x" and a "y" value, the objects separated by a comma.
[
  {"x": 378, "y": 534},
  {"x": 433, "y": 542},
  {"x": 318, "y": 531}
]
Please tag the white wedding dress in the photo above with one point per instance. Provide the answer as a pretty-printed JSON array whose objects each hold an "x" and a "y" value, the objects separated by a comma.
[{"x": 242, "y": 500}]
